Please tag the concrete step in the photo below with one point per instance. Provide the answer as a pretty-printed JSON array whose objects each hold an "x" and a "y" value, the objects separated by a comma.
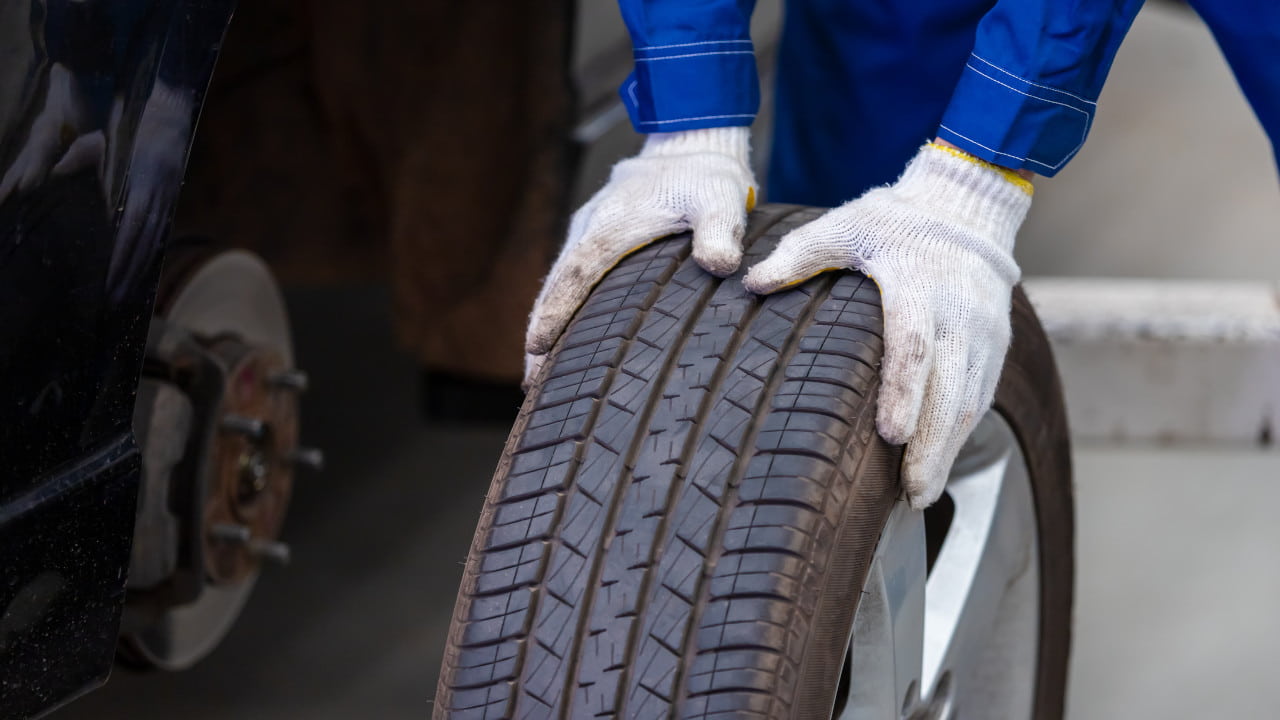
[{"x": 1166, "y": 361}]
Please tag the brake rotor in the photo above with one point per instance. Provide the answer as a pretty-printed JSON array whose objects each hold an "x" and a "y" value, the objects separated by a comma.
[{"x": 230, "y": 305}]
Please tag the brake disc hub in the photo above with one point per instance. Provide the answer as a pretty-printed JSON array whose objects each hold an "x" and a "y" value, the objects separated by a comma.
[
  {"x": 217, "y": 419},
  {"x": 252, "y": 473}
]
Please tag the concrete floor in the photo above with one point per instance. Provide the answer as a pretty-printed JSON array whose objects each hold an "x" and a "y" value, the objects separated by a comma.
[
  {"x": 1177, "y": 578},
  {"x": 1176, "y": 584}
]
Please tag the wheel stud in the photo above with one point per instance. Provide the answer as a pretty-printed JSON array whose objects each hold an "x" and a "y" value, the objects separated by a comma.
[
  {"x": 247, "y": 426},
  {"x": 292, "y": 379},
  {"x": 312, "y": 458},
  {"x": 231, "y": 533},
  {"x": 270, "y": 550}
]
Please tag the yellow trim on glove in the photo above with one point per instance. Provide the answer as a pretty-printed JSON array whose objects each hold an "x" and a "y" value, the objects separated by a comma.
[
  {"x": 806, "y": 278},
  {"x": 1018, "y": 181}
]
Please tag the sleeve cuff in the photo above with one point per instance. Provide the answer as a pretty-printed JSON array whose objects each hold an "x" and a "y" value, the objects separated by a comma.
[
  {"x": 690, "y": 86},
  {"x": 1013, "y": 122}
]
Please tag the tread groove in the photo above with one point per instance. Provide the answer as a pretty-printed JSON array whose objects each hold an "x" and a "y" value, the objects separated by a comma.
[
  {"x": 639, "y": 435},
  {"x": 711, "y": 391},
  {"x": 777, "y": 375},
  {"x": 588, "y": 430}
]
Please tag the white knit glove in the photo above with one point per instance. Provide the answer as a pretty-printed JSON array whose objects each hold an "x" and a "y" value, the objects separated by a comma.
[
  {"x": 697, "y": 180},
  {"x": 155, "y": 176},
  {"x": 939, "y": 244},
  {"x": 62, "y": 120}
]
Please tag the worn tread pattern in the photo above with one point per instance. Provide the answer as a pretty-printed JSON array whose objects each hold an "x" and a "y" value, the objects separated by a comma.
[{"x": 657, "y": 539}]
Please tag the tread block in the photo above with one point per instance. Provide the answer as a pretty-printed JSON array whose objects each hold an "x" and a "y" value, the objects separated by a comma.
[{"x": 655, "y": 543}]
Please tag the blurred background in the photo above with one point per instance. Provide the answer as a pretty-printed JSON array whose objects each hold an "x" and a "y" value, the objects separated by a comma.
[{"x": 1176, "y": 575}]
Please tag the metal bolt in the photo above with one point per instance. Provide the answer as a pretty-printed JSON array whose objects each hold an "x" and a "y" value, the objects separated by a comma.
[
  {"x": 312, "y": 458},
  {"x": 270, "y": 550},
  {"x": 254, "y": 472},
  {"x": 251, "y": 427},
  {"x": 292, "y": 379},
  {"x": 230, "y": 533}
]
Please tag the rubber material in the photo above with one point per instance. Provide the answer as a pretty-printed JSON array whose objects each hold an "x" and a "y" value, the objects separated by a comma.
[{"x": 691, "y": 496}]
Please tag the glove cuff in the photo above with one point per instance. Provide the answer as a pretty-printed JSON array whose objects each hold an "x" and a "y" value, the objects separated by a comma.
[
  {"x": 965, "y": 190},
  {"x": 732, "y": 141},
  {"x": 171, "y": 98}
]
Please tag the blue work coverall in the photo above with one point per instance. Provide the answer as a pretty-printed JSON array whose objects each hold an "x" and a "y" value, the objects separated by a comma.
[{"x": 862, "y": 83}]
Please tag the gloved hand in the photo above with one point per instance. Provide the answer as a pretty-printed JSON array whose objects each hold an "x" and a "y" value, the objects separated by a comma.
[
  {"x": 696, "y": 180},
  {"x": 939, "y": 244},
  {"x": 61, "y": 120},
  {"x": 155, "y": 176}
]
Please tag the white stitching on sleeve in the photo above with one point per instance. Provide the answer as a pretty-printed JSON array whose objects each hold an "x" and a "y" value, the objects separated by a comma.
[
  {"x": 1034, "y": 97},
  {"x": 701, "y": 117},
  {"x": 975, "y": 56},
  {"x": 997, "y": 152},
  {"x": 1084, "y": 133},
  {"x": 692, "y": 44},
  {"x": 689, "y": 55}
]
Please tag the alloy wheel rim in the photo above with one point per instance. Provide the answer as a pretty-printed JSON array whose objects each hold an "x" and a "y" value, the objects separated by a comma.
[{"x": 949, "y": 616}]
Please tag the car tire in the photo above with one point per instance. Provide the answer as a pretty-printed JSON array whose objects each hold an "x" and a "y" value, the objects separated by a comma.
[{"x": 694, "y": 491}]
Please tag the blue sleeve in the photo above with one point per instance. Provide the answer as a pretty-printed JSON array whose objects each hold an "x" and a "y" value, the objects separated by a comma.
[
  {"x": 1248, "y": 31},
  {"x": 1029, "y": 90},
  {"x": 695, "y": 66}
]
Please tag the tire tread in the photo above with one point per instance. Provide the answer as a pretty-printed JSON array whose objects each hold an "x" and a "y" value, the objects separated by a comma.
[{"x": 682, "y": 504}]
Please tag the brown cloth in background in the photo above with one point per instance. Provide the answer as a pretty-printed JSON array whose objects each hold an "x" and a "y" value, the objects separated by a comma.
[{"x": 429, "y": 138}]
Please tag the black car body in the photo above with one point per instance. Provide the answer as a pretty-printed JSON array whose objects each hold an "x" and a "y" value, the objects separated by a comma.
[{"x": 98, "y": 104}]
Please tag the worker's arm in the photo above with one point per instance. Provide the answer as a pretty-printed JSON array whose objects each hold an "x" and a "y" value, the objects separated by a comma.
[
  {"x": 695, "y": 65},
  {"x": 1028, "y": 92},
  {"x": 939, "y": 242},
  {"x": 694, "y": 91}
]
